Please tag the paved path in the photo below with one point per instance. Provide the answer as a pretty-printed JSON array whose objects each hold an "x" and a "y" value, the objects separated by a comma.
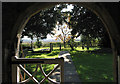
[{"x": 70, "y": 74}]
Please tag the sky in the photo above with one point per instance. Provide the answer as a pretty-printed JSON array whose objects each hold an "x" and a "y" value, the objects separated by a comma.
[{"x": 69, "y": 8}]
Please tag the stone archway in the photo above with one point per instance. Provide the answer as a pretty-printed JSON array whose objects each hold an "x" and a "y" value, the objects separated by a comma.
[{"x": 98, "y": 8}]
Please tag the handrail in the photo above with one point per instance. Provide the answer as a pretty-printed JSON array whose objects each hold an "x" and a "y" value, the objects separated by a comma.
[{"x": 17, "y": 60}]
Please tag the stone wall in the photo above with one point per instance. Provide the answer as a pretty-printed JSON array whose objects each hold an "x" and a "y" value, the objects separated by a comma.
[{"x": 15, "y": 15}]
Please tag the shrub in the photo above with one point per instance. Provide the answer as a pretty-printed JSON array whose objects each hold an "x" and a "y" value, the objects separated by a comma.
[{"x": 38, "y": 44}]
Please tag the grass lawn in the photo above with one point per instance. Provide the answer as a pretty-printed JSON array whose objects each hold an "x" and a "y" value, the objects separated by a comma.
[
  {"x": 46, "y": 67},
  {"x": 93, "y": 67},
  {"x": 54, "y": 48},
  {"x": 68, "y": 48},
  {"x": 85, "y": 49}
]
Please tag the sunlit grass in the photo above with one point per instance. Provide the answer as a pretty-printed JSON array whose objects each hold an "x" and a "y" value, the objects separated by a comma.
[
  {"x": 53, "y": 54},
  {"x": 68, "y": 48},
  {"x": 85, "y": 49},
  {"x": 91, "y": 67},
  {"x": 37, "y": 49},
  {"x": 58, "y": 48},
  {"x": 54, "y": 48},
  {"x": 46, "y": 67},
  {"x": 39, "y": 76}
]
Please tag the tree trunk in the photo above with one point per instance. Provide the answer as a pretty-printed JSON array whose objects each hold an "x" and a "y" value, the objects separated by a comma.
[
  {"x": 51, "y": 47},
  {"x": 82, "y": 45},
  {"x": 64, "y": 44},
  {"x": 87, "y": 46},
  {"x": 60, "y": 47},
  {"x": 31, "y": 44},
  {"x": 72, "y": 48},
  {"x": 38, "y": 43}
]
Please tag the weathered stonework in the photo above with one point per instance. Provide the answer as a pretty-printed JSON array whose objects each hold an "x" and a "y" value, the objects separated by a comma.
[{"x": 16, "y": 15}]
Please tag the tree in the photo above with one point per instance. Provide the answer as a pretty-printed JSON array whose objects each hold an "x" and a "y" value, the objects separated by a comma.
[
  {"x": 63, "y": 33},
  {"x": 85, "y": 22},
  {"x": 38, "y": 44},
  {"x": 87, "y": 41},
  {"x": 40, "y": 25},
  {"x": 43, "y": 22},
  {"x": 62, "y": 18},
  {"x": 81, "y": 20}
]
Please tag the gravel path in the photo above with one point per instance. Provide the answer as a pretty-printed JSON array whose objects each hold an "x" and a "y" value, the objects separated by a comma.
[{"x": 70, "y": 74}]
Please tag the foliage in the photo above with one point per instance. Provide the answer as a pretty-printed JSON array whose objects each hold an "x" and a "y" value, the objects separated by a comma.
[
  {"x": 62, "y": 30},
  {"x": 105, "y": 41},
  {"x": 79, "y": 21},
  {"x": 64, "y": 33},
  {"x": 25, "y": 45},
  {"x": 40, "y": 24},
  {"x": 38, "y": 44},
  {"x": 72, "y": 44},
  {"x": 85, "y": 22},
  {"x": 43, "y": 22}
]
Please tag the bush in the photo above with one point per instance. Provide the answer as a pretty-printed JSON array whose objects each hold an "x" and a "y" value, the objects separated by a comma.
[
  {"x": 38, "y": 44},
  {"x": 26, "y": 45}
]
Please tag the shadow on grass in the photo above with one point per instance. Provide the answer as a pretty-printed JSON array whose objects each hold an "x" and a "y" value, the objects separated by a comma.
[
  {"x": 39, "y": 76},
  {"x": 46, "y": 67},
  {"x": 53, "y": 53},
  {"x": 93, "y": 67}
]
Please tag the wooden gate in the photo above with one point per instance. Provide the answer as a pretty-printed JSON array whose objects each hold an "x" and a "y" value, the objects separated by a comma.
[{"x": 17, "y": 64}]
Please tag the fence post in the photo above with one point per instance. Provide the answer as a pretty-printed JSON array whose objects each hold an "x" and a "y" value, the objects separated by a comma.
[
  {"x": 60, "y": 47},
  {"x": 62, "y": 70},
  {"x": 51, "y": 47},
  {"x": 118, "y": 69},
  {"x": 15, "y": 69},
  {"x": 14, "y": 72}
]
